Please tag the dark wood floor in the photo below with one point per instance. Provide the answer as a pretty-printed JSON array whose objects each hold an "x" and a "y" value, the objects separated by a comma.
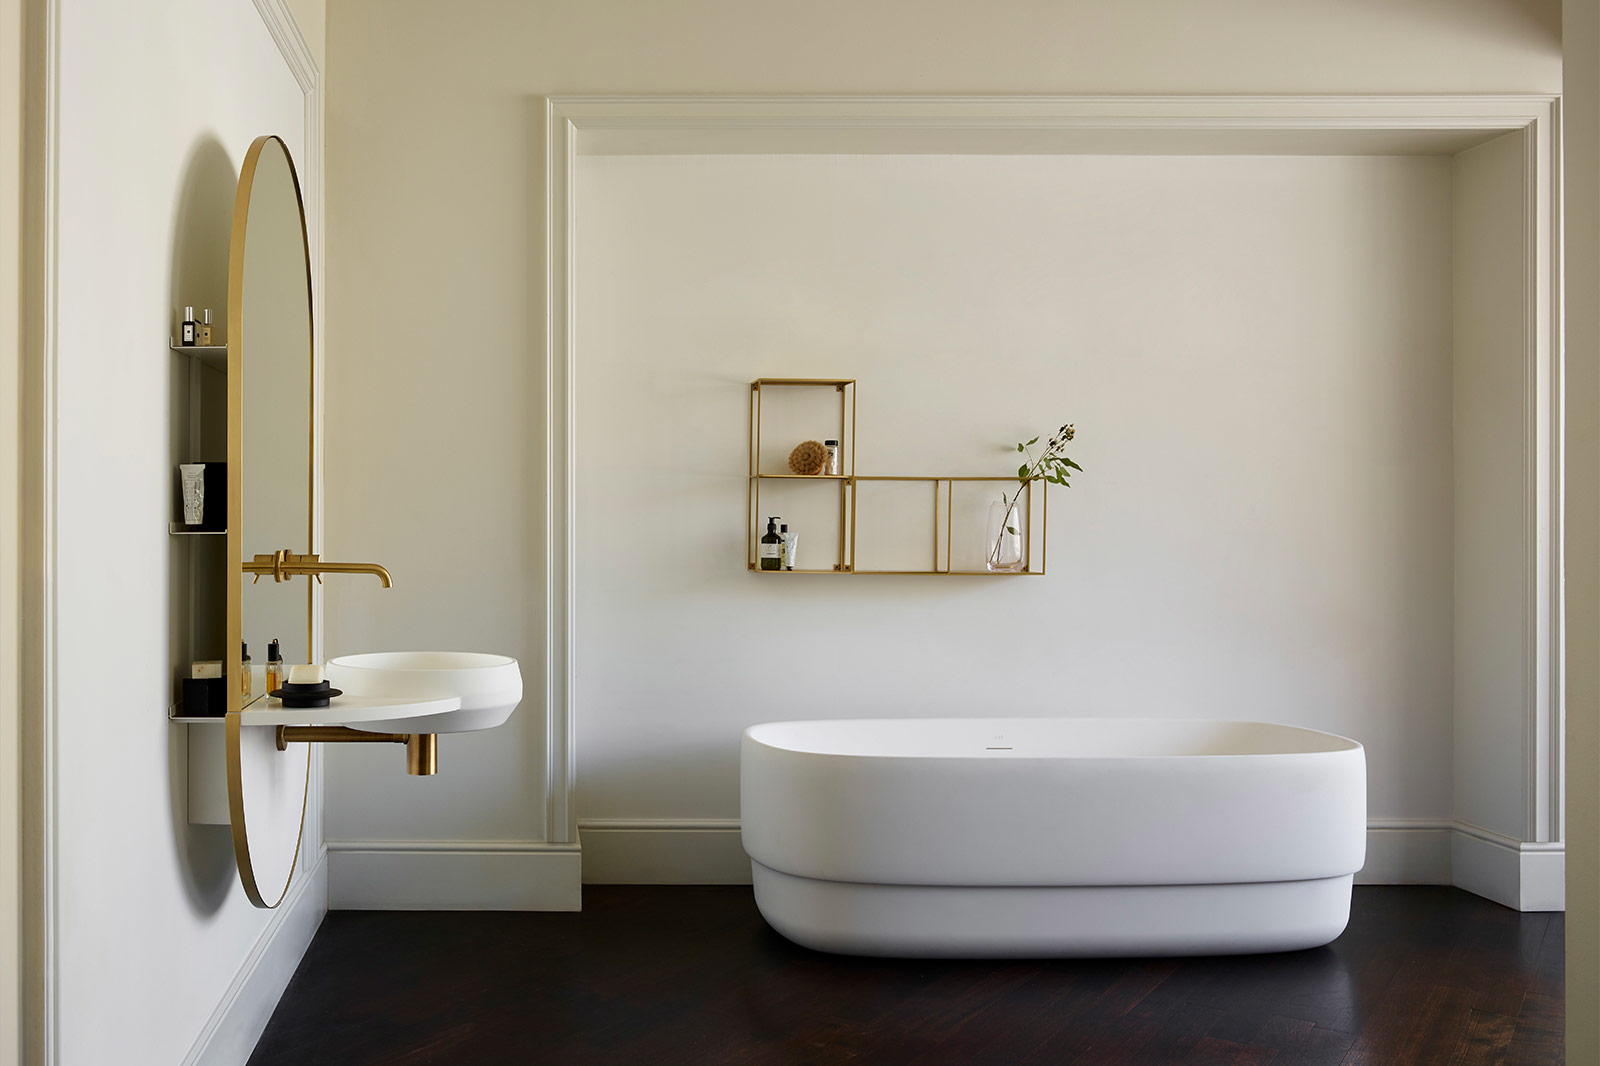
[{"x": 663, "y": 976}]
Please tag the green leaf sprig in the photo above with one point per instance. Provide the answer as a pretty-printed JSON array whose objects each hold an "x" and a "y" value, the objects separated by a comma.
[{"x": 1052, "y": 465}]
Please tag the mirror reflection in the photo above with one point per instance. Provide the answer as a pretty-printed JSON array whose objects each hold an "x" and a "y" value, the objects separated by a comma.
[{"x": 274, "y": 334}]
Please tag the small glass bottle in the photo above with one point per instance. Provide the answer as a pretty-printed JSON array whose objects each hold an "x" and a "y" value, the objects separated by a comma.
[
  {"x": 188, "y": 328},
  {"x": 791, "y": 541},
  {"x": 274, "y": 666},
  {"x": 832, "y": 466},
  {"x": 770, "y": 552},
  {"x": 244, "y": 671},
  {"x": 205, "y": 328}
]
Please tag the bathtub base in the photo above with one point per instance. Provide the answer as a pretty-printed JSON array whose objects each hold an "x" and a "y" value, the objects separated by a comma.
[{"x": 1052, "y": 922}]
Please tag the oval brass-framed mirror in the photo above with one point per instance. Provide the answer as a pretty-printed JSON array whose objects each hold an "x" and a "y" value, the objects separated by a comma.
[{"x": 271, "y": 371}]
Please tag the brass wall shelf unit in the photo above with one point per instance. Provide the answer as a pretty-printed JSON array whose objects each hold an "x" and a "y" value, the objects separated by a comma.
[{"x": 942, "y": 497}]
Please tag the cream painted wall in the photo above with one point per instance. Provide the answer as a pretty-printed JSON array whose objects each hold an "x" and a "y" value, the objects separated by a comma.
[
  {"x": 152, "y": 925},
  {"x": 1581, "y": 148},
  {"x": 434, "y": 260},
  {"x": 1257, "y": 354}
]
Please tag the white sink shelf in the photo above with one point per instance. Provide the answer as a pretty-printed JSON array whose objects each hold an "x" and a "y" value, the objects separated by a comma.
[{"x": 352, "y": 711}]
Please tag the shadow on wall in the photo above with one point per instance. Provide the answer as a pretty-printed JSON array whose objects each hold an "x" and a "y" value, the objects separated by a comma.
[{"x": 202, "y": 224}]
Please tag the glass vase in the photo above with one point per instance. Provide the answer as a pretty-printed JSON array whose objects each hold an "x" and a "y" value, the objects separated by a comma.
[{"x": 1003, "y": 537}]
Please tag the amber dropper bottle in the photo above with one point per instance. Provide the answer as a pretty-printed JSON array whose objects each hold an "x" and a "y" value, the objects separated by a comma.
[{"x": 274, "y": 666}]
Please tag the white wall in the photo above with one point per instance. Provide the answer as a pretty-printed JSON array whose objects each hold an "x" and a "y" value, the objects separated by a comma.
[
  {"x": 1255, "y": 350},
  {"x": 435, "y": 254},
  {"x": 156, "y": 109}
]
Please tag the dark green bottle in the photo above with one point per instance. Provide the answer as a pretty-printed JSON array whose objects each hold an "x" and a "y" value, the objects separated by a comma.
[{"x": 770, "y": 552}]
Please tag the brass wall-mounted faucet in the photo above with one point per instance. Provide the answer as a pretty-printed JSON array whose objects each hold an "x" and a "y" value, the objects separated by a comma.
[
  {"x": 283, "y": 564},
  {"x": 422, "y": 749}
]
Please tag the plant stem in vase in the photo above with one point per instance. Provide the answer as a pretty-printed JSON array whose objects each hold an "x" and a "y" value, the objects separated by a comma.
[
  {"x": 1005, "y": 536},
  {"x": 1007, "y": 519}
]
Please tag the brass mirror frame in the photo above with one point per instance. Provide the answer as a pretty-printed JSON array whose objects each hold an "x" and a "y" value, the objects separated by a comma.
[{"x": 233, "y": 574}]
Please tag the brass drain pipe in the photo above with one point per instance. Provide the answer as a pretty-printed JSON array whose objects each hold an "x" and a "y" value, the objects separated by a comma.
[{"x": 422, "y": 749}]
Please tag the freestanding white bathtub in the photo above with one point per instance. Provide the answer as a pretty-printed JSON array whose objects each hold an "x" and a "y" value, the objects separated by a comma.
[{"x": 1052, "y": 836}]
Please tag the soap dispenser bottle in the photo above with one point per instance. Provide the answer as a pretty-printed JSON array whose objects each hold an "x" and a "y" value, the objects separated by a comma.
[
  {"x": 274, "y": 666},
  {"x": 770, "y": 551}
]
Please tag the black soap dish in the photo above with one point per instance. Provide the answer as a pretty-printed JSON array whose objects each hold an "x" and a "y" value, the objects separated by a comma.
[{"x": 316, "y": 695}]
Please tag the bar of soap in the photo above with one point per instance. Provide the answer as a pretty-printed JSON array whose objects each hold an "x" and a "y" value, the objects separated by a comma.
[
  {"x": 201, "y": 668},
  {"x": 310, "y": 674}
]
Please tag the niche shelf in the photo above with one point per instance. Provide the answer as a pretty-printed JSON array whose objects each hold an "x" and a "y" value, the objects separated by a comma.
[
  {"x": 213, "y": 355},
  {"x": 199, "y": 594},
  {"x": 943, "y": 496}
]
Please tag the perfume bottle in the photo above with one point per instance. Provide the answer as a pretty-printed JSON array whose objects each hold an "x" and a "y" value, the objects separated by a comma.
[
  {"x": 205, "y": 327},
  {"x": 187, "y": 331},
  {"x": 274, "y": 666},
  {"x": 770, "y": 551},
  {"x": 244, "y": 671}
]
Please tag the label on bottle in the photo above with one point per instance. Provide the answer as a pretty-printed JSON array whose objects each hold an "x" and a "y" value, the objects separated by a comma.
[{"x": 771, "y": 555}]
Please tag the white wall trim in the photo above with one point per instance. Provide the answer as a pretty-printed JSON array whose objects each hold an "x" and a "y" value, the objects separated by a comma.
[
  {"x": 1407, "y": 851},
  {"x": 709, "y": 851},
  {"x": 560, "y": 495},
  {"x": 453, "y": 875},
  {"x": 663, "y": 851},
  {"x": 42, "y": 672},
  {"x": 1520, "y": 874},
  {"x": 711, "y": 123},
  {"x": 230, "y": 1034},
  {"x": 1524, "y": 875},
  {"x": 1489, "y": 112},
  {"x": 1542, "y": 456}
]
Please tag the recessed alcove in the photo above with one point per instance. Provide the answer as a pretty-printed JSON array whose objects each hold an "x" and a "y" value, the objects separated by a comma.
[{"x": 1308, "y": 344}]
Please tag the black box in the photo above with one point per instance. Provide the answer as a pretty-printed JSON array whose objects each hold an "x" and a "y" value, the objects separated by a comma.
[
  {"x": 203, "y": 697},
  {"x": 215, "y": 516}
]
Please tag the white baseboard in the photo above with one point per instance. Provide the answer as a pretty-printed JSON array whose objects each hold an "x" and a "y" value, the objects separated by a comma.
[
  {"x": 451, "y": 875},
  {"x": 1522, "y": 875},
  {"x": 663, "y": 851},
  {"x": 1406, "y": 851},
  {"x": 1400, "y": 851},
  {"x": 230, "y": 1034}
]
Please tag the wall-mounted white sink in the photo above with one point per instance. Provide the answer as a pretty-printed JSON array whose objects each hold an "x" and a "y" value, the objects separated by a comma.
[{"x": 488, "y": 686}]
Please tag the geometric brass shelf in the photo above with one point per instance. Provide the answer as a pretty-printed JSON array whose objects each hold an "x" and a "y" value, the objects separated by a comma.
[{"x": 848, "y": 484}]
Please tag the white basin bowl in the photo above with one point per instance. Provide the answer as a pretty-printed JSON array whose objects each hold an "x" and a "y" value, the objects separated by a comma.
[{"x": 489, "y": 687}]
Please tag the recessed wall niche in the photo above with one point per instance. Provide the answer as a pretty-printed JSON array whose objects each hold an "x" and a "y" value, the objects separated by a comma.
[
  {"x": 198, "y": 401},
  {"x": 1253, "y": 308}
]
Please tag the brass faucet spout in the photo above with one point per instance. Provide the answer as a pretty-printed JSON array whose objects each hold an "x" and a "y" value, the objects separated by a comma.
[
  {"x": 358, "y": 568},
  {"x": 283, "y": 564}
]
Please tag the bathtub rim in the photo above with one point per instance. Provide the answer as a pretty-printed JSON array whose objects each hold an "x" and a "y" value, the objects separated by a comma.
[{"x": 1347, "y": 745}]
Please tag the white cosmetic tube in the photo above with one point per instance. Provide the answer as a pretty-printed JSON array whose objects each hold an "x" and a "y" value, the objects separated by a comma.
[{"x": 193, "y": 478}]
